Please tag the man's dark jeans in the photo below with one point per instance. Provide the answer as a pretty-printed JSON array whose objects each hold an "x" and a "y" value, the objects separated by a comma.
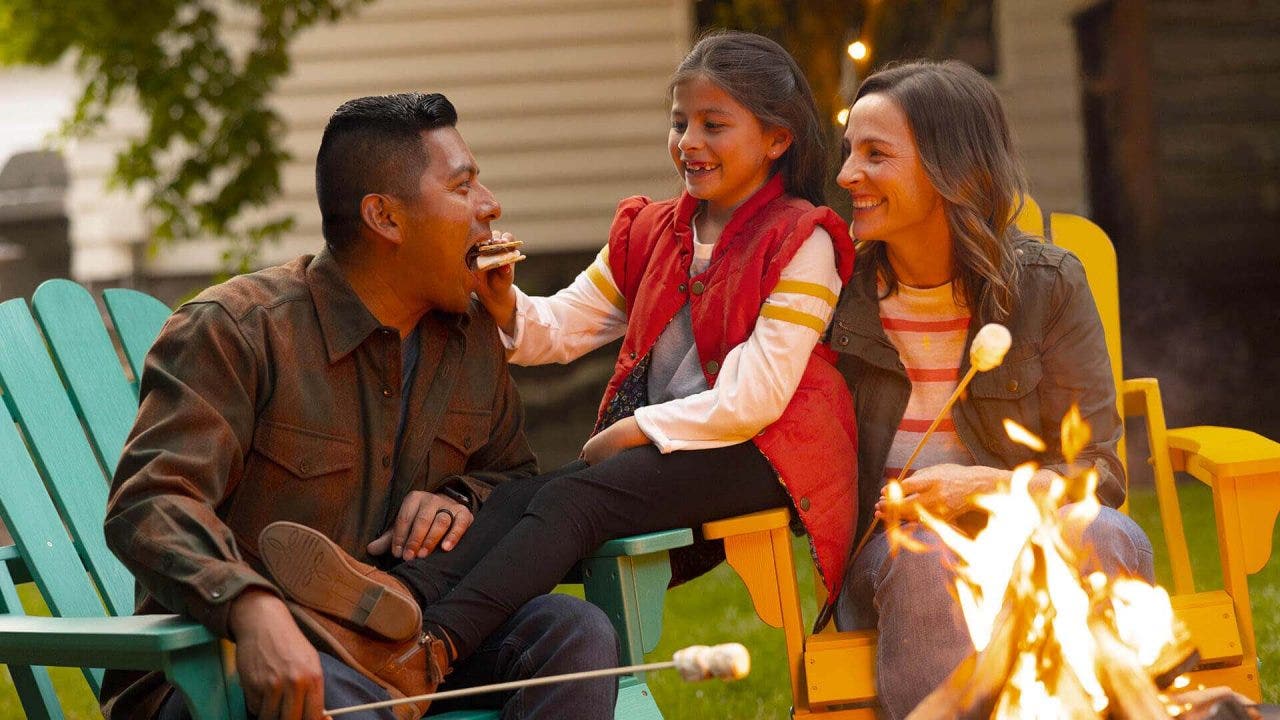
[{"x": 550, "y": 635}]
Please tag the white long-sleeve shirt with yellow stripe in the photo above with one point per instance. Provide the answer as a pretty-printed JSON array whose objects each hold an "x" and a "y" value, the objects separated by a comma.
[{"x": 756, "y": 379}]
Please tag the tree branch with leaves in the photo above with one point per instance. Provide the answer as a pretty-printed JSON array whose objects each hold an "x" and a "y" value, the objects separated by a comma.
[{"x": 210, "y": 149}]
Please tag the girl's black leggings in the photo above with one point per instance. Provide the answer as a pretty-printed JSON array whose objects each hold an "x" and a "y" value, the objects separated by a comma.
[{"x": 531, "y": 532}]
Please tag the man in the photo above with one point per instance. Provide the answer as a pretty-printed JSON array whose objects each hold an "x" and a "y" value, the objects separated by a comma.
[{"x": 355, "y": 391}]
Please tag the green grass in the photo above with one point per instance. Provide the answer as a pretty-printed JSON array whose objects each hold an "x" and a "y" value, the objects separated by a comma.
[{"x": 715, "y": 608}]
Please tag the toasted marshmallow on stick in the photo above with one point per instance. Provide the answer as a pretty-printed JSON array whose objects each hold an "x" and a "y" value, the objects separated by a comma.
[
  {"x": 989, "y": 346},
  {"x": 730, "y": 661}
]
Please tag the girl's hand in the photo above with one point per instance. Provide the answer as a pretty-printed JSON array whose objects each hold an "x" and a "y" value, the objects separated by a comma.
[
  {"x": 944, "y": 490},
  {"x": 495, "y": 290},
  {"x": 622, "y": 435}
]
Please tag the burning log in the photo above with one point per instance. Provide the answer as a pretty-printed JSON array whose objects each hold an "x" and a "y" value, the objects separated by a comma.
[
  {"x": 1022, "y": 663},
  {"x": 1056, "y": 645},
  {"x": 1132, "y": 693}
]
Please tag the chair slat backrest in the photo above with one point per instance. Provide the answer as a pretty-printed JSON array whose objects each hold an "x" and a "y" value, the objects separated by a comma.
[
  {"x": 33, "y": 521},
  {"x": 1091, "y": 244},
  {"x": 1030, "y": 219},
  {"x": 89, "y": 365},
  {"x": 38, "y": 402},
  {"x": 138, "y": 318}
]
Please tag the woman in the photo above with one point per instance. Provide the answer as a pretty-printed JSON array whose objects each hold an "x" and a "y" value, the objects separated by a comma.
[{"x": 935, "y": 184}]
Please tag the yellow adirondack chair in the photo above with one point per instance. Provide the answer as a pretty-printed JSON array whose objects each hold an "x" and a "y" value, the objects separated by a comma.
[{"x": 833, "y": 673}]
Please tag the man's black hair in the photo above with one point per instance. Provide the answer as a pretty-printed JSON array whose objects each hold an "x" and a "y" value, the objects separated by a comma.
[{"x": 373, "y": 145}]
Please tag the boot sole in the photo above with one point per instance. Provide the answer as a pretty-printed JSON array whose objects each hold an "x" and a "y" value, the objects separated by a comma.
[{"x": 313, "y": 571}]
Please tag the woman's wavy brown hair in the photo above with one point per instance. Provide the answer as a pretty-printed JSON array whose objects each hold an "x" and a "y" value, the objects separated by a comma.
[{"x": 967, "y": 152}]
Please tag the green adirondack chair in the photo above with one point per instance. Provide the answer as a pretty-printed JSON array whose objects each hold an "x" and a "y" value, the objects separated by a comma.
[{"x": 68, "y": 407}]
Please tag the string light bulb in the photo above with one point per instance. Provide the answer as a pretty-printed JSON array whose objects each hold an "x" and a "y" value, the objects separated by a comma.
[
  {"x": 842, "y": 117},
  {"x": 858, "y": 50}
]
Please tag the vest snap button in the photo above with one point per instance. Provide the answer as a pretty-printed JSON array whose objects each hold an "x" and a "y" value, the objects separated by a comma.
[
  {"x": 1012, "y": 386},
  {"x": 713, "y": 367},
  {"x": 843, "y": 340},
  {"x": 698, "y": 287},
  {"x": 804, "y": 504},
  {"x": 683, "y": 287},
  {"x": 632, "y": 355}
]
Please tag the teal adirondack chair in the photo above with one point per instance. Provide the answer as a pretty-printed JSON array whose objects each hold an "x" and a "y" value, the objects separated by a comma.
[{"x": 73, "y": 405}]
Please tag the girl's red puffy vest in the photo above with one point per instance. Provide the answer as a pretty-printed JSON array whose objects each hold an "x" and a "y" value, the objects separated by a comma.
[{"x": 813, "y": 446}]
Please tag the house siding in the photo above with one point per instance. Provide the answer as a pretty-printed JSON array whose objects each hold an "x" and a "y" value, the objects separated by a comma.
[{"x": 1039, "y": 83}]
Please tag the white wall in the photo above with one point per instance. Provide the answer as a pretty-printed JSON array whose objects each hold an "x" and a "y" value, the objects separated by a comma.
[{"x": 1040, "y": 85}]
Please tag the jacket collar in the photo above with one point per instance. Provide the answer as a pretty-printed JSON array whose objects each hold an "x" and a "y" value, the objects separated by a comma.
[
  {"x": 857, "y": 317},
  {"x": 688, "y": 205},
  {"x": 345, "y": 322}
]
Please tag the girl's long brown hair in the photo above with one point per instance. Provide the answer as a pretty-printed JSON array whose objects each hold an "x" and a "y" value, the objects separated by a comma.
[{"x": 766, "y": 80}]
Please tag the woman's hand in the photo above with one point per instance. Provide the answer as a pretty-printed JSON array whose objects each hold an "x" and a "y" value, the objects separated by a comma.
[
  {"x": 944, "y": 490},
  {"x": 622, "y": 435},
  {"x": 496, "y": 292}
]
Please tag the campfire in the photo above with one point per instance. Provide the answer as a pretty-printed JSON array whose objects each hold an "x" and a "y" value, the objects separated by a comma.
[{"x": 1049, "y": 642}]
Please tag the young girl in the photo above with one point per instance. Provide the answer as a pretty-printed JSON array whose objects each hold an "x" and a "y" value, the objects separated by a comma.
[{"x": 720, "y": 403}]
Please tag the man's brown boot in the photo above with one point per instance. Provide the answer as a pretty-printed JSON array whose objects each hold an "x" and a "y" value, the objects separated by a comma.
[
  {"x": 359, "y": 614},
  {"x": 315, "y": 572},
  {"x": 404, "y": 668}
]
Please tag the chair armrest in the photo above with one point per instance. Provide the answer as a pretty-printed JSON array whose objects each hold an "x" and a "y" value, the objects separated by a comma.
[
  {"x": 1209, "y": 452},
  {"x": 743, "y": 524},
  {"x": 137, "y": 642},
  {"x": 627, "y": 578},
  {"x": 646, "y": 543}
]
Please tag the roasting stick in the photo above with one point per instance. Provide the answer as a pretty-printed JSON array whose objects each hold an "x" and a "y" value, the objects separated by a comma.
[
  {"x": 730, "y": 661},
  {"x": 986, "y": 353}
]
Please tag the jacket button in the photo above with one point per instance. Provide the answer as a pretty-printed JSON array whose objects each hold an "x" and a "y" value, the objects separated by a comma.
[
  {"x": 683, "y": 287},
  {"x": 804, "y": 504},
  {"x": 698, "y": 287},
  {"x": 843, "y": 340},
  {"x": 713, "y": 367},
  {"x": 386, "y": 460},
  {"x": 1012, "y": 386},
  {"x": 386, "y": 392},
  {"x": 304, "y": 465},
  {"x": 632, "y": 355}
]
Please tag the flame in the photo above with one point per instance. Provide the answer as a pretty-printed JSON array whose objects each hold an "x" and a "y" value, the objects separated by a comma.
[
  {"x": 1068, "y": 633},
  {"x": 1075, "y": 434},
  {"x": 1023, "y": 436}
]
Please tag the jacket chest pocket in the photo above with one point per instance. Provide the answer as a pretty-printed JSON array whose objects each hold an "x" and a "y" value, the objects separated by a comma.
[
  {"x": 1008, "y": 391},
  {"x": 295, "y": 474},
  {"x": 462, "y": 433}
]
